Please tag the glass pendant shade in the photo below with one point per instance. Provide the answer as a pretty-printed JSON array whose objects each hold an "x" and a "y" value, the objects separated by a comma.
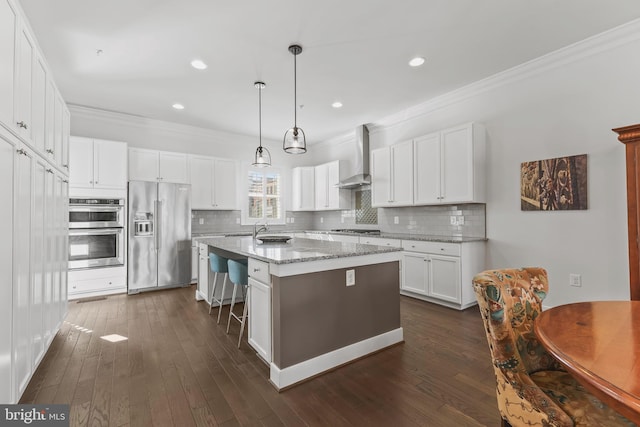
[
  {"x": 263, "y": 157},
  {"x": 294, "y": 141}
]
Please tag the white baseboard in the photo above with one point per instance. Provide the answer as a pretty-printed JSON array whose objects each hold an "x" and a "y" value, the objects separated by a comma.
[{"x": 282, "y": 378}]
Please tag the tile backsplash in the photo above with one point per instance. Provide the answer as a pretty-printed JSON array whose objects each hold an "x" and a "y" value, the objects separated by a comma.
[{"x": 429, "y": 220}]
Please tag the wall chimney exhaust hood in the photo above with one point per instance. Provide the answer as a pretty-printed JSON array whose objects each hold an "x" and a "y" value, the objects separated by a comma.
[{"x": 360, "y": 161}]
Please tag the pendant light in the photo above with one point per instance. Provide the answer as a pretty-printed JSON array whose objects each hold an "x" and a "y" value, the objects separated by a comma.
[
  {"x": 263, "y": 157},
  {"x": 294, "y": 140}
]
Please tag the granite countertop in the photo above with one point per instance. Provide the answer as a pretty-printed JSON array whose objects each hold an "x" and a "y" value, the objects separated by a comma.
[
  {"x": 407, "y": 236},
  {"x": 296, "y": 250},
  {"x": 400, "y": 236}
]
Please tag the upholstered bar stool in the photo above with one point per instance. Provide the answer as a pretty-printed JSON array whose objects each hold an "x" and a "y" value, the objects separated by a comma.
[
  {"x": 239, "y": 276},
  {"x": 218, "y": 264}
]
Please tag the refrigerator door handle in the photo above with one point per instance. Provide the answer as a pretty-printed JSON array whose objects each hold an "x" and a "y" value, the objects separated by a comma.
[
  {"x": 158, "y": 222},
  {"x": 155, "y": 225}
]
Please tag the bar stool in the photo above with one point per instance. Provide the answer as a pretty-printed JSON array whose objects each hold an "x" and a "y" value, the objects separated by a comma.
[
  {"x": 218, "y": 264},
  {"x": 239, "y": 276}
]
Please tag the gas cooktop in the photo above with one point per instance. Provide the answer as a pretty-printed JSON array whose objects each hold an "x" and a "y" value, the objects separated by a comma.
[{"x": 356, "y": 231}]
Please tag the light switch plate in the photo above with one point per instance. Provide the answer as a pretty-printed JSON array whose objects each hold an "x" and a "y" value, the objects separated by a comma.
[{"x": 351, "y": 277}]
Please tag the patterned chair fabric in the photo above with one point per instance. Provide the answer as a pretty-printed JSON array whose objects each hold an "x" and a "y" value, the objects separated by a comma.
[{"x": 532, "y": 388}]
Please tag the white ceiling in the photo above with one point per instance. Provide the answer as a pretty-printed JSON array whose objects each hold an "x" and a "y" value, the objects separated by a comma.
[{"x": 354, "y": 51}]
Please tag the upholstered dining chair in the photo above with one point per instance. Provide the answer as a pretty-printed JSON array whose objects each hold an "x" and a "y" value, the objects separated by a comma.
[{"x": 532, "y": 388}]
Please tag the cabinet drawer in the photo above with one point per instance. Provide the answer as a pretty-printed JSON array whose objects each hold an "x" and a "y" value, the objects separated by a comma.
[
  {"x": 381, "y": 241},
  {"x": 432, "y": 247},
  {"x": 259, "y": 270},
  {"x": 92, "y": 285}
]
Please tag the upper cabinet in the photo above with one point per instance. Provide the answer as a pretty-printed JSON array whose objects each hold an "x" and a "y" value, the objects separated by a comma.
[
  {"x": 449, "y": 166},
  {"x": 213, "y": 183},
  {"x": 153, "y": 165},
  {"x": 95, "y": 163},
  {"x": 392, "y": 175},
  {"x": 31, "y": 107},
  {"x": 327, "y": 195},
  {"x": 303, "y": 189},
  {"x": 8, "y": 27}
]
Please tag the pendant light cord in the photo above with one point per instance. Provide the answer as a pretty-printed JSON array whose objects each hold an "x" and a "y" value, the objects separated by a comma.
[
  {"x": 295, "y": 95},
  {"x": 260, "y": 114}
]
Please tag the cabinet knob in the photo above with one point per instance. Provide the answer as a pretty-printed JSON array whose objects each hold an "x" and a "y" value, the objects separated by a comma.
[
  {"x": 22, "y": 124},
  {"x": 49, "y": 150},
  {"x": 256, "y": 270},
  {"x": 65, "y": 166},
  {"x": 50, "y": 170}
]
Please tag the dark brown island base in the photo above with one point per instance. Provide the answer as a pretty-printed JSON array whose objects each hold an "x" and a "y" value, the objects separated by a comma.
[{"x": 315, "y": 305}]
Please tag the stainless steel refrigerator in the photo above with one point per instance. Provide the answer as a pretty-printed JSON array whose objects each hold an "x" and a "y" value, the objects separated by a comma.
[{"x": 159, "y": 253}]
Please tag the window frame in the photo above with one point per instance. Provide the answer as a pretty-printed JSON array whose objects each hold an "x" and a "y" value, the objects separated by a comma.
[{"x": 245, "y": 220}]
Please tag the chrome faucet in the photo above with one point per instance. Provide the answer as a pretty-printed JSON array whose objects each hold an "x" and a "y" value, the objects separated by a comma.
[{"x": 257, "y": 229}]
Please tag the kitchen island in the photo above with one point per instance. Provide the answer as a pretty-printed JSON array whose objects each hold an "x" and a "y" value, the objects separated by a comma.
[{"x": 315, "y": 305}]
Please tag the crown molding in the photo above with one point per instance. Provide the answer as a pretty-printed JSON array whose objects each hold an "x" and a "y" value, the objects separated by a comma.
[
  {"x": 605, "y": 41},
  {"x": 129, "y": 120}
]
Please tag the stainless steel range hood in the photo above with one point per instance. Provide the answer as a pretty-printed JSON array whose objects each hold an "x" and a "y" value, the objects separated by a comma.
[{"x": 360, "y": 160}]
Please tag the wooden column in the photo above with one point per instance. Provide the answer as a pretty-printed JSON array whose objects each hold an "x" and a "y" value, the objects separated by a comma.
[{"x": 630, "y": 137}]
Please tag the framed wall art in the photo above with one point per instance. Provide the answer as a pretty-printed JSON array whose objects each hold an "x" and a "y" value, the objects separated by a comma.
[{"x": 554, "y": 184}]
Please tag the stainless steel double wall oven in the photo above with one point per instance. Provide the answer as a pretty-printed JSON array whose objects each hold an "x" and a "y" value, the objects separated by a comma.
[{"x": 96, "y": 233}]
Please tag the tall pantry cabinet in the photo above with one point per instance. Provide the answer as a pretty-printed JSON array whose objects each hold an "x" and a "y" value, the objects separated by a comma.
[{"x": 34, "y": 138}]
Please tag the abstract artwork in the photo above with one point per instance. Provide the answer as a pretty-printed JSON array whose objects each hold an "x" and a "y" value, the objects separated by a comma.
[{"x": 554, "y": 184}]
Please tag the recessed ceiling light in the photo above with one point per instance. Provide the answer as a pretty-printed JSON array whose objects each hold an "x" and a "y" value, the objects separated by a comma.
[
  {"x": 337, "y": 104},
  {"x": 198, "y": 64},
  {"x": 178, "y": 106},
  {"x": 417, "y": 61}
]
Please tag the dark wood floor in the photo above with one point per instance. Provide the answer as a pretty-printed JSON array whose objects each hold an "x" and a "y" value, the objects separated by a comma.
[{"x": 178, "y": 368}]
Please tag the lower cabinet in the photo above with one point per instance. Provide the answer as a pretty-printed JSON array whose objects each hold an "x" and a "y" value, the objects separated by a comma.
[
  {"x": 97, "y": 281},
  {"x": 33, "y": 263},
  {"x": 260, "y": 308},
  {"x": 441, "y": 272}
]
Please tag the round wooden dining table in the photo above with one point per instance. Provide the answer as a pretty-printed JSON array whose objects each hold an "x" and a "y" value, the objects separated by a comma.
[{"x": 599, "y": 344}]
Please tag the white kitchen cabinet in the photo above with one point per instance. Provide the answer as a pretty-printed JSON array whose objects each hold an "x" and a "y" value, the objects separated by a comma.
[
  {"x": 380, "y": 241},
  {"x": 95, "y": 163},
  {"x": 327, "y": 195},
  {"x": 392, "y": 175},
  {"x": 7, "y": 157},
  {"x": 25, "y": 222},
  {"x": 94, "y": 282},
  {"x": 303, "y": 188},
  {"x": 449, "y": 166},
  {"x": 441, "y": 272},
  {"x": 40, "y": 227},
  {"x": 21, "y": 354},
  {"x": 203, "y": 272},
  {"x": 260, "y": 308},
  {"x": 8, "y": 31},
  {"x": 153, "y": 165},
  {"x": 213, "y": 183},
  {"x": 38, "y": 118}
]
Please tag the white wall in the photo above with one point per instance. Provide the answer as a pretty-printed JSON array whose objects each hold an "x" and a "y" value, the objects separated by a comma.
[
  {"x": 556, "y": 110},
  {"x": 563, "y": 104}
]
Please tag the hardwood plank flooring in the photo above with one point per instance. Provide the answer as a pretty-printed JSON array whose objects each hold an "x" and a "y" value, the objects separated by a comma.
[{"x": 179, "y": 368}]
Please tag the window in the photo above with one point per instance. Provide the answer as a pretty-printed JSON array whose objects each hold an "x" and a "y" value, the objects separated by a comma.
[{"x": 264, "y": 201}]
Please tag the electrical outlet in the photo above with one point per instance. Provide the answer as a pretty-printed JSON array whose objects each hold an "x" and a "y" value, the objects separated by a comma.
[
  {"x": 321, "y": 220},
  {"x": 396, "y": 220},
  {"x": 460, "y": 220},
  {"x": 293, "y": 219},
  {"x": 351, "y": 277},
  {"x": 453, "y": 220},
  {"x": 201, "y": 221},
  {"x": 575, "y": 280}
]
